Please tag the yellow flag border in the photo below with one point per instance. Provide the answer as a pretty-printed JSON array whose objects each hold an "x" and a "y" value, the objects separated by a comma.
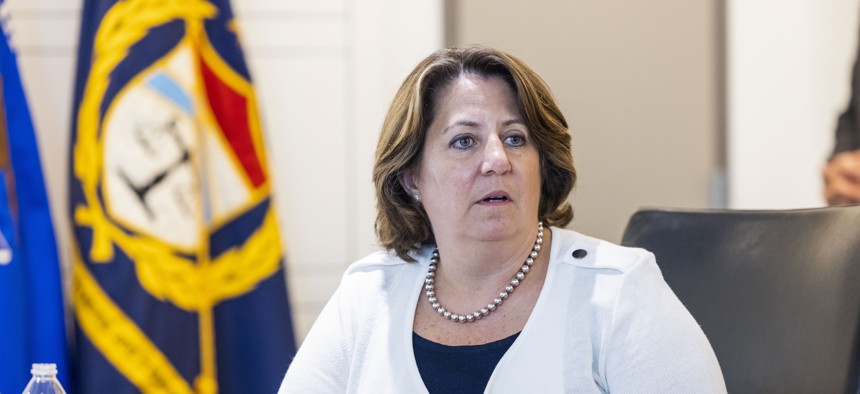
[{"x": 119, "y": 339}]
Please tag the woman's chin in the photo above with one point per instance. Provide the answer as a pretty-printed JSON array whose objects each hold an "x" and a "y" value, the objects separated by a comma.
[{"x": 499, "y": 230}]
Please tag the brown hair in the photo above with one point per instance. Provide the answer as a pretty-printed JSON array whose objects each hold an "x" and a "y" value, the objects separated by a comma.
[{"x": 401, "y": 223}]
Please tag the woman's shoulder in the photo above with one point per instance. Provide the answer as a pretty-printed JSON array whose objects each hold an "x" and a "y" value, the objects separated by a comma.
[
  {"x": 382, "y": 272},
  {"x": 589, "y": 252},
  {"x": 385, "y": 260}
]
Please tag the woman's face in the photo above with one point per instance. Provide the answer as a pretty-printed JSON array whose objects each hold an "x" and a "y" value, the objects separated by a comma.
[{"x": 479, "y": 173}]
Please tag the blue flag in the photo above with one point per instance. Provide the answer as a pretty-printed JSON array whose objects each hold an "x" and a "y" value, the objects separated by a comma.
[
  {"x": 178, "y": 273},
  {"x": 32, "y": 326}
]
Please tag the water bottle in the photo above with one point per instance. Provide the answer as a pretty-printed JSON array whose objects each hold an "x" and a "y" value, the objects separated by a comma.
[{"x": 44, "y": 380}]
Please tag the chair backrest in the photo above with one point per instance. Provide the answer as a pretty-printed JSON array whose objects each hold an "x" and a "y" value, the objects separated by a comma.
[{"x": 776, "y": 292}]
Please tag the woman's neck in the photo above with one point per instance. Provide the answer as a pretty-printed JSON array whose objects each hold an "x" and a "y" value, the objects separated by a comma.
[{"x": 468, "y": 266}]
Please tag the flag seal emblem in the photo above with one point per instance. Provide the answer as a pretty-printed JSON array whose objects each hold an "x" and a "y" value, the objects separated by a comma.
[{"x": 166, "y": 159}]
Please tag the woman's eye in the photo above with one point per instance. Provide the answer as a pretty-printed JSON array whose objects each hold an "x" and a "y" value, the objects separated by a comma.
[
  {"x": 462, "y": 142},
  {"x": 516, "y": 140}
]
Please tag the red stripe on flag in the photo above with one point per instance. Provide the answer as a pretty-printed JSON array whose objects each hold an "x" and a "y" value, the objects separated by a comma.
[{"x": 230, "y": 109}]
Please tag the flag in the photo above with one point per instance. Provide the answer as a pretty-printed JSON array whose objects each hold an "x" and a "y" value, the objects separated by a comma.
[
  {"x": 32, "y": 323},
  {"x": 177, "y": 265}
]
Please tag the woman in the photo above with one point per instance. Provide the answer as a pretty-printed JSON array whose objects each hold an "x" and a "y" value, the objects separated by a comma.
[{"x": 480, "y": 289}]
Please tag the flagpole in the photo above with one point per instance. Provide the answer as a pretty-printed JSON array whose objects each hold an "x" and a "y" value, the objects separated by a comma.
[{"x": 207, "y": 382}]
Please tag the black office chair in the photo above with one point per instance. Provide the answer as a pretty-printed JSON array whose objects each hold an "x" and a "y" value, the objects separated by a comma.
[{"x": 776, "y": 292}]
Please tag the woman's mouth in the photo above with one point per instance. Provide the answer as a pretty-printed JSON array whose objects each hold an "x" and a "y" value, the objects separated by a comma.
[{"x": 497, "y": 197}]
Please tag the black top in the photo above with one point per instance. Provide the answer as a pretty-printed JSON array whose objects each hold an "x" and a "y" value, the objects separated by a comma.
[{"x": 458, "y": 369}]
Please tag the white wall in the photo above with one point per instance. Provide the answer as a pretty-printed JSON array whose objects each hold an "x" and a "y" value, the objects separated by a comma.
[
  {"x": 324, "y": 71},
  {"x": 789, "y": 65}
]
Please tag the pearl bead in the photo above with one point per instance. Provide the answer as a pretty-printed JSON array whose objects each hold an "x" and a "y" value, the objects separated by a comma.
[{"x": 429, "y": 285}]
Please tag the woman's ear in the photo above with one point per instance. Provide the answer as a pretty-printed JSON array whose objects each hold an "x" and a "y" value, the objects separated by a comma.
[{"x": 409, "y": 182}]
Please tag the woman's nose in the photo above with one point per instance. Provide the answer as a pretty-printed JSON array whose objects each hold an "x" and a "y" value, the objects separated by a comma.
[{"x": 495, "y": 157}]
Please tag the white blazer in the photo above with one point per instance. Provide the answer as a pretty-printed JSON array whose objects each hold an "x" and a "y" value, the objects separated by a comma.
[{"x": 604, "y": 322}]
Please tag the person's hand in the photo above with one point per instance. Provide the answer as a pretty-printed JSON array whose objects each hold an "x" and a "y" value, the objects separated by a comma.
[{"x": 842, "y": 179}]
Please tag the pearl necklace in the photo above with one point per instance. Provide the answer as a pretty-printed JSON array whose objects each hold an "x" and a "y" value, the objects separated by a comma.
[{"x": 430, "y": 286}]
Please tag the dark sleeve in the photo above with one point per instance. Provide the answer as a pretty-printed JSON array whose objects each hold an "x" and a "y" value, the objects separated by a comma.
[{"x": 847, "y": 133}]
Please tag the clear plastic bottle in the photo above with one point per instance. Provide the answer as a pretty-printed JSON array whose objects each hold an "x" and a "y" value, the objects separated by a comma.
[{"x": 44, "y": 380}]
